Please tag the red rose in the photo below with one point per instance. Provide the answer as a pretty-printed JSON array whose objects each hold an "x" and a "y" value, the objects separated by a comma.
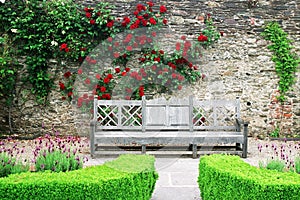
[
  {"x": 116, "y": 55},
  {"x": 150, "y": 4},
  {"x": 88, "y": 15},
  {"x": 123, "y": 73},
  {"x": 144, "y": 22},
  {"x": 163, "y": 9},
  {"x": 174, "y": 75},
  {"x": 183, "y": 37},
  {"x": 180, "y": 78},
  {"x": 153, "y": 34},
  {"x": 110, "y": 24},
  {"x": 102, "y": 89},
  {"x": 87, "y": 81},
  {"x": 179, "y": 87},
  {"x": 70, "y": 94},
  {"x": 177, "y": 46},
  {"x": 117, "y": 70},
  {"x": 107, "y": 96},
  {"x": 61, "y": 86},
  {"x": 165, "y": 21},
  {"x": 86, "y": 9},
  {"x": 79, "y": 71},
  {"x": 92, "y": 21},
  {"x": 67, "y": 74},
  {"x": 126, "y": 20},
  {"x": 83, "y": 49},
  {"x": 157, "y": 59},
  {"x": 202, "y": 38},
  {"x": 98, "y": 76},
  {"x": 129, "y": 48},
  {"x": 222, "y": 33},
  {"x": 127, "y": 69},
  {"x": 146, "y": 15},
  {"x": 152, "y": 21},
  {"x": 139, "y": 78},
  {"x": 106, "y": 80},
  {"x": 63, "y": 46},
  {"x": 116, "y": 44},
  {"x": 110, "y": 76},
  {"x": 141, "y": 93},
  {"x": 153, "y": 67},
  {"x": 110, "y": 39},
  {"x": 136, "y": 12},
  {"x": 127, "y": 97},
  {"x": 67, "y": 49},
  {"x": 85, "y": 96},
  {"x": 140, "y": 17}
]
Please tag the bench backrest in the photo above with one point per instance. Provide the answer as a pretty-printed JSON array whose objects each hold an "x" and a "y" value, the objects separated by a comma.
[{"x": 161, "y": 114}]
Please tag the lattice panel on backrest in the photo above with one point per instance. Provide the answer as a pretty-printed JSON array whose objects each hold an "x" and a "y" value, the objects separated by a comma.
[
  {"x": 107, "y": 115},
  {"x": 214, "y": 113},
  {"x": 131, "y": 115}
]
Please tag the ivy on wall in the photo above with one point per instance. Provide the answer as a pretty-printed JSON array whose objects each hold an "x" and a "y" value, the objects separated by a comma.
[{"x": 286, "y": 62}]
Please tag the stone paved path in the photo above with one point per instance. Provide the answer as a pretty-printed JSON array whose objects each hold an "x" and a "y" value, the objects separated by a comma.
[{"x": 177, "y": 178}]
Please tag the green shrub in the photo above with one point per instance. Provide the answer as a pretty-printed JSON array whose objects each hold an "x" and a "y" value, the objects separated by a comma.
[
  {"x": 277, "y": 165},
  {"x": 9, "y": 165},
  {"x": 58, "y": 161},
  {"x": 297, "y": 165},
  {"x": 228, "y": 177},
  {"x": 129, "y": 177}
]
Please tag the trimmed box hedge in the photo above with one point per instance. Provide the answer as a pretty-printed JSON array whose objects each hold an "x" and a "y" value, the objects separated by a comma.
[
  {"x": 128, "y": 177},
  {"x": 229, "y": 177}
]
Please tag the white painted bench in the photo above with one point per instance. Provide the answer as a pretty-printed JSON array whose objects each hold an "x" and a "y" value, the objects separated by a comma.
[{"x": 168, "y": 122}]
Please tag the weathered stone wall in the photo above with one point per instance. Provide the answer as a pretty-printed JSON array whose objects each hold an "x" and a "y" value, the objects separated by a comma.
[{"x": 238, "y": 65}]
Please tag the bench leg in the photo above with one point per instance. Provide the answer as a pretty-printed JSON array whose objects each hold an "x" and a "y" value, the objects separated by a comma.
[
  {"x": 143, "y": 148},
  {"x": 238, "y": 146},
  {"x": 194, "y": 149},
  {"x": 245, "y": 145}
]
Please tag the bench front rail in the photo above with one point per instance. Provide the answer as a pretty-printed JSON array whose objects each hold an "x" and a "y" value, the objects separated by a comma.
[{"x": 163, "y": 122}]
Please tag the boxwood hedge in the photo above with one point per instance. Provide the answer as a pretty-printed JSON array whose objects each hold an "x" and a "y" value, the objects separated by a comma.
[
  {"x": 128, "y": 177},
  {"x": 229, "y": 177}
]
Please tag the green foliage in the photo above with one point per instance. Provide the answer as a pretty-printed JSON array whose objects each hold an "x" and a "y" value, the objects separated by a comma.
[
  {"x": 277, "y": 165},
  {"x": 39, "y": 28},
  {"x": 229, "y": 177},
  {"x": 9, "y": 165},
  {"x": 275, "y": 133},
  {"x": 8, "y": 70},
  {"x": 286, "y": 62},
  {"x": 57, "y": 161},
  {"x": 297, "y": 165},
  {"x": 108, "y": 181}
]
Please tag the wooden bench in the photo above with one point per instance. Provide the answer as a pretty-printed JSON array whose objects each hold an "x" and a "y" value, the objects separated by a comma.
[{"x": 161, "y": 122}]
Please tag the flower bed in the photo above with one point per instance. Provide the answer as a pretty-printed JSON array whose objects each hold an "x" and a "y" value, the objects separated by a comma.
[
  {"x": 128, "y": 177},
  {"x": 231, "y": 178}
]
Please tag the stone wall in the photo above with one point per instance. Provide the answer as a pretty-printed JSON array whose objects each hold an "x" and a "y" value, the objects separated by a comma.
[{"x": 238, "y": 65}]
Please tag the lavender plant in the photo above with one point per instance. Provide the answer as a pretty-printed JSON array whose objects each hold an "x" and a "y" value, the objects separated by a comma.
[
  {"x": 9, "y": 165},
  {"x": 284, "y": 157}
]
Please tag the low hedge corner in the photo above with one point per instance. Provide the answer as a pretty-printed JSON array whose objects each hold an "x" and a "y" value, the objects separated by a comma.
[
  {"x": 131, "y": 177},
  {"x": 229, "y": 177}
]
